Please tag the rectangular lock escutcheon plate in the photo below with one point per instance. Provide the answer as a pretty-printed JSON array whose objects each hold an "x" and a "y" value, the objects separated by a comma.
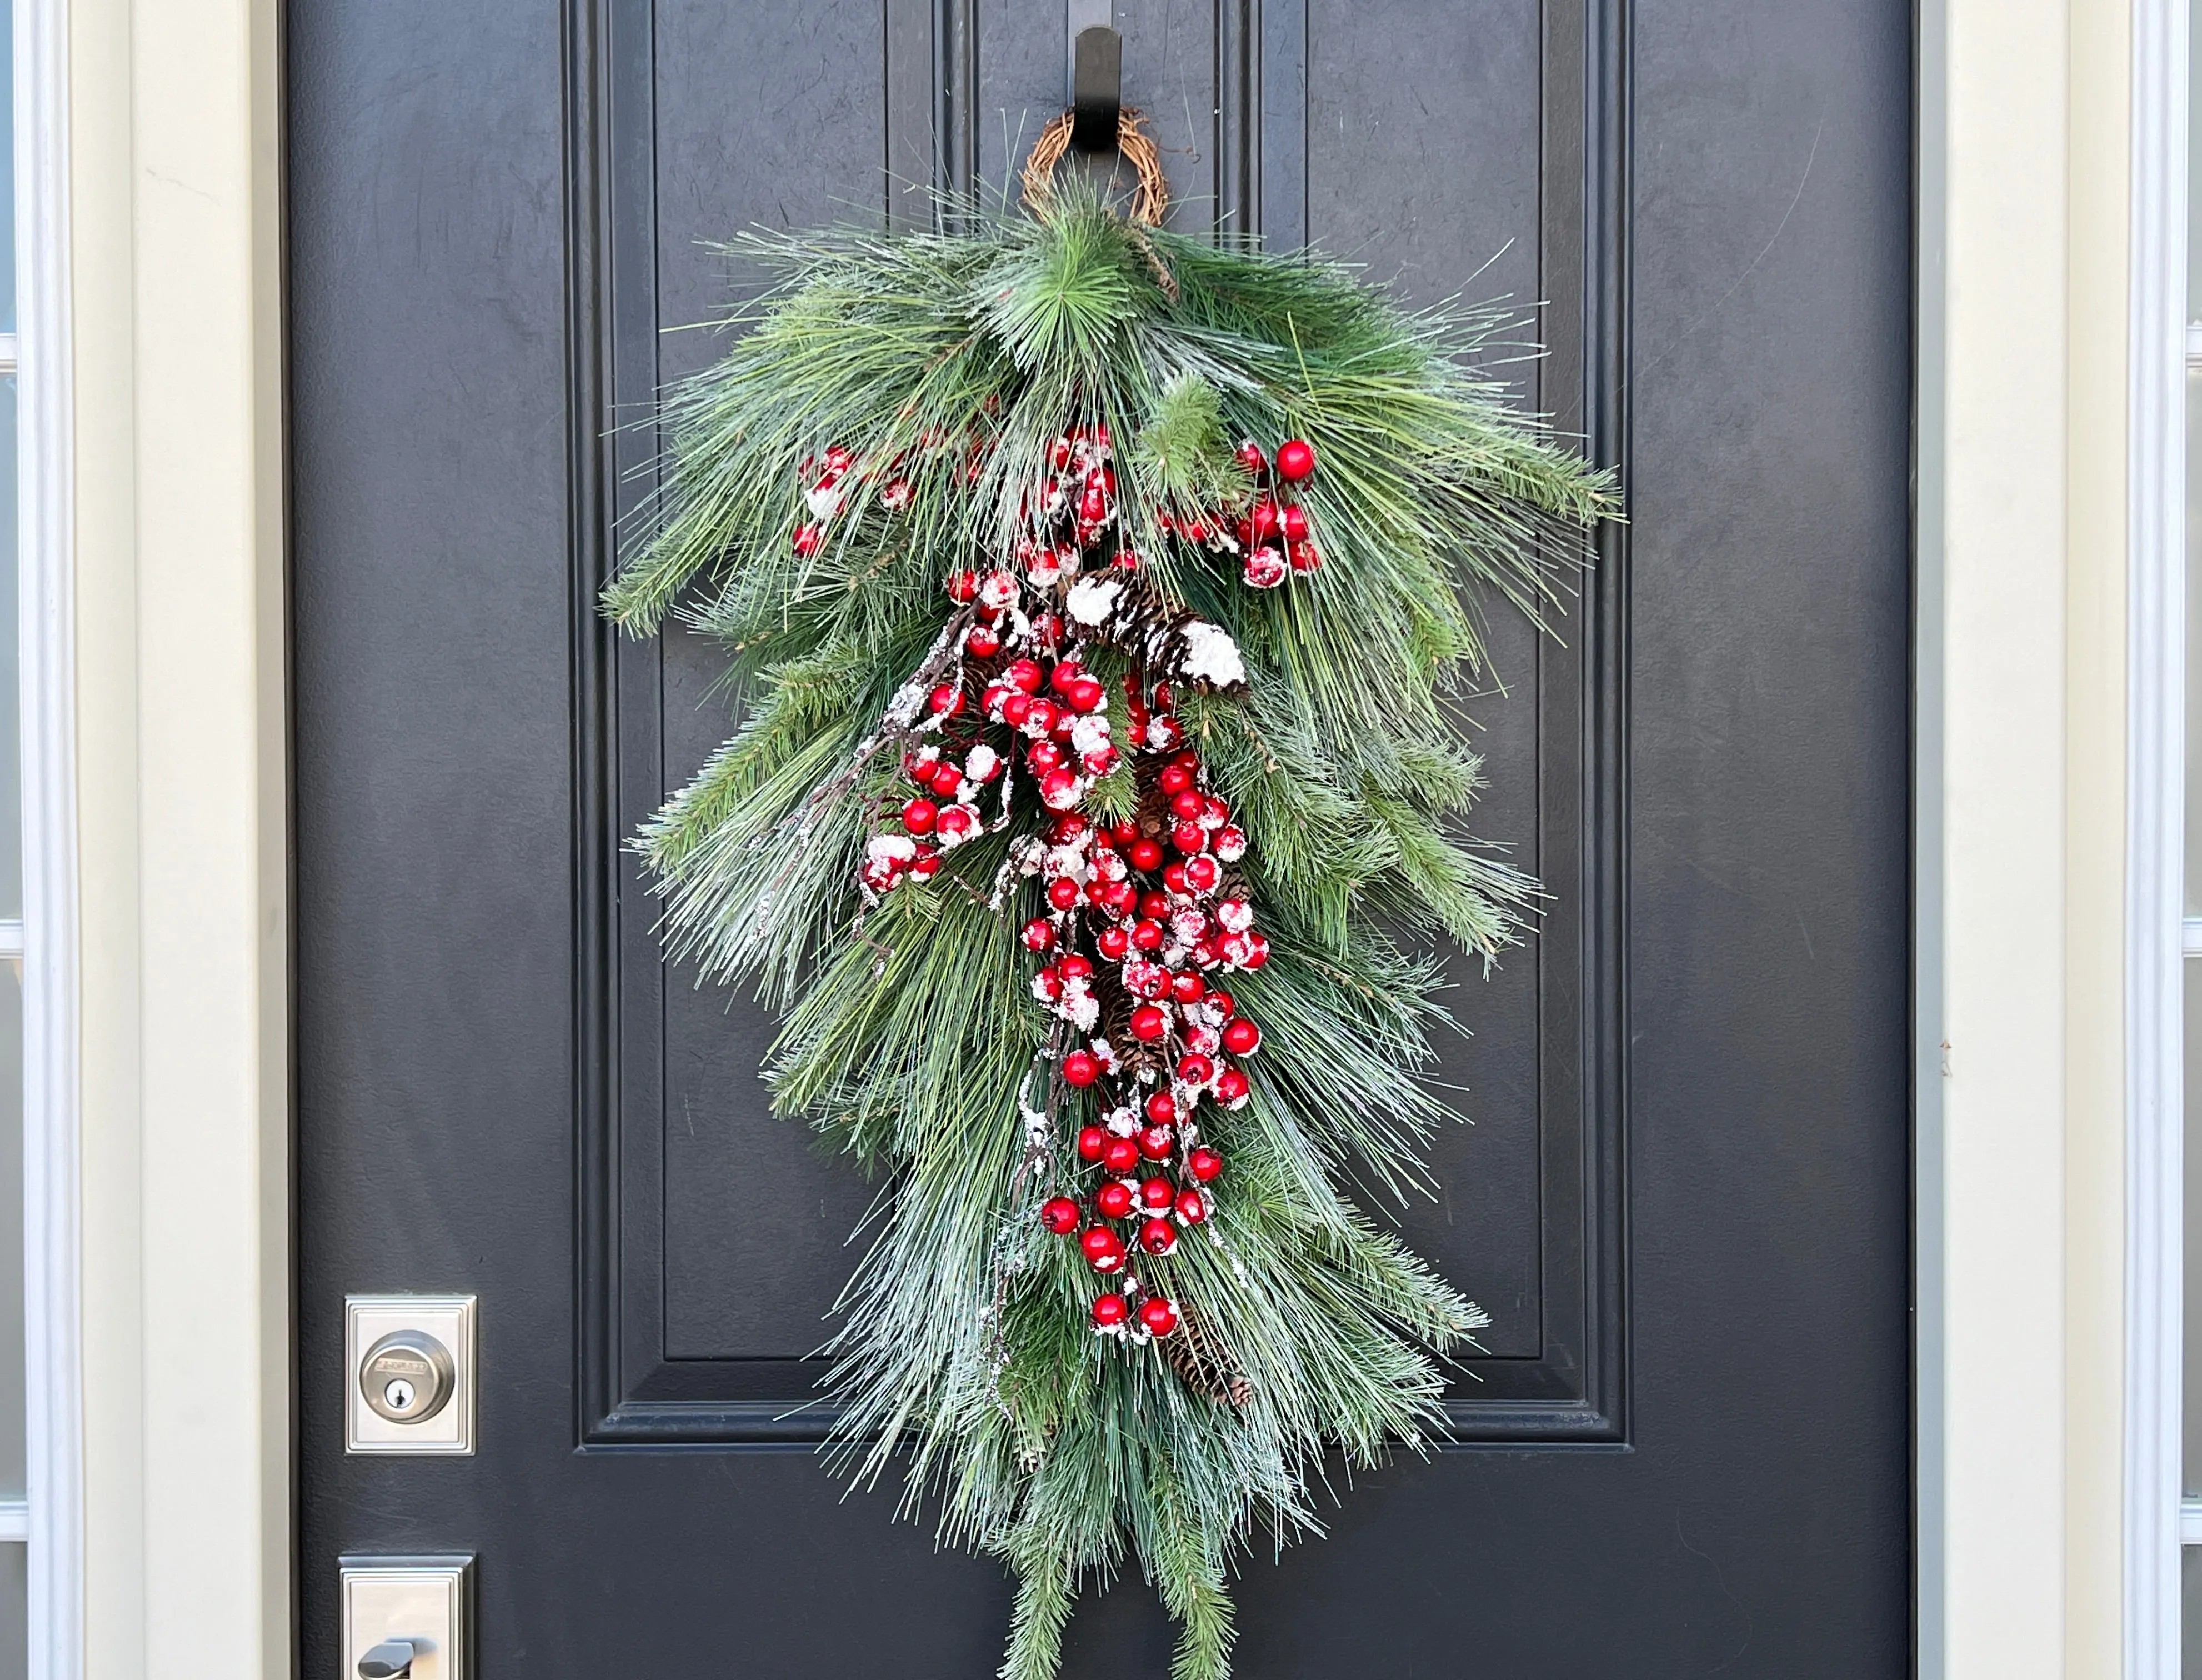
[
  {"x": 450, "y": 1319},
  {"x": 422, "y": 1600}
]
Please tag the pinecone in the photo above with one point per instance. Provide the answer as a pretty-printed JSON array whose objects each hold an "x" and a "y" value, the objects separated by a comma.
[{"x": 1204, "y": 1365}]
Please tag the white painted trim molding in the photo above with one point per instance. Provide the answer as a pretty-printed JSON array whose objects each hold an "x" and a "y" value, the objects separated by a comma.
[
  {"x": 2155, "y": 807},
  {"x": 53, "y": 1522}
]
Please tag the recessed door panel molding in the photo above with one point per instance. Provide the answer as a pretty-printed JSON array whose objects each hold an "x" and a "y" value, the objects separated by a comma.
[{"x": 696, "y": 1322}]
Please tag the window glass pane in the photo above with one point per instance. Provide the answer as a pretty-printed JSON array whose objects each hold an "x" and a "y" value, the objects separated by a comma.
[
  {"x": 11, "y": 817},
  {"x": 11, "y": 1231},
  {"x": 15, "y": 1613},
  {"x": 2193, "y": 187},
  {"x": 2192, "y": 1454},
  {"x": 2190, "y": 1603},
  {"x": 7, "y": 171}
]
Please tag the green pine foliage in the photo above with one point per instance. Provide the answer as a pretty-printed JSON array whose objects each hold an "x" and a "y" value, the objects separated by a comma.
[{"x": 911, "y": 1035}]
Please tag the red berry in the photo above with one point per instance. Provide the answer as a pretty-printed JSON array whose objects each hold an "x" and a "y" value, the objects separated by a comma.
[
  {"x": 1016, "y": 709},
  {"x": 1113, "y": 1200},
  {"x": 1144, "y": 854},
  {"x": 1023, "y": 675},
  {"x": 1102, "y": 1247},
  {"x": 946, "y": 779},
  {"x": 1293, "y": 521},
  {"x": 1114, "y": 941},
  {"x": 1162, "y": 1108},
  {"x": 1069, "y": 826},
  {"x": 946, "y": 701},
  {"x": 1121, "y": 1156},
  {"x": 1174, "y": 877},
  {"x": 1175, "y": 779},
  {"x": 1156, "y": 1192},
  {"x": 1224, "y": 1002},
  {"x": 925, "y": 865},
  {"x": 962, "y": 586},
  {"x": 1063, "y": 893},
  {"x": 1188, "y": 837},
  {"x": 1186, "y": 986},
  {"x": 1201, "y": 874},
  {"x": 810, "y": 540},
  {"x": 1093, "y": 1142},
  {"x": 1110, "y": 1310},
  {"x": 1203, "y": 1163},
  {"x": 1060, "y": 1215},
  {"x": 1076, "y": 966},
  {"x": 1242, "y": 1038},
  {"x": 1058, "y": 788},
  {"x": 1147, "y": 935},
  {"x": 1157, "y": 1314},
  {"x": 1155, "y": 906},
  {"x": 1149, "y": 1023},
  {"x": 1039, "y": 717},
  {"x": 983, "y": 642},
  {"x": 1037, "y": 935},
  {"x": 1295, "y": 460},
  {"x": 1155, "y": 1142},
  {"x": 1080, "y": 1069},
  {"x": 1252, "y": 458},
  {"x": 1196, "y": 1069},
  {"x": 1230, "y": 1086},
  {"x": 1259, "y": 954},
  {"x": 1192, "y": 1208},
  {"x": 1051, "y": 982},
  {"x": 1306, "y": 557},
  {"x": 1159, "y": 1236},
  {"x": 920, "y": 816}
]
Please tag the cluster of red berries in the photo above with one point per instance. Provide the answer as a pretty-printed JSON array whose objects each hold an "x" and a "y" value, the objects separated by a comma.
[
  {"x": 1143, "y": 915},
  {"x": 827, "y": 483},
  {"x": 1271, "y": 536},
  {"x": 1148, "y": 898}
]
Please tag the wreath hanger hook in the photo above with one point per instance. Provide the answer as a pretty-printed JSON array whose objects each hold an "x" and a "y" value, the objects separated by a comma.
[{"x": 1096, "y": 88}]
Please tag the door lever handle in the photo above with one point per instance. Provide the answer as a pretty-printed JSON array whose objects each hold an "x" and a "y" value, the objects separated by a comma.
[{"x": 392, "y": 1659}]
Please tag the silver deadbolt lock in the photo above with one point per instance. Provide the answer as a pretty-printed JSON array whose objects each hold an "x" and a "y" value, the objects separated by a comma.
[{"x": 406, "y": 1377}]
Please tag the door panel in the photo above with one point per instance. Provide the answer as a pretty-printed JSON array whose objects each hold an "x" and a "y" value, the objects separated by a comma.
[{"x": 1683, "y": 1195}]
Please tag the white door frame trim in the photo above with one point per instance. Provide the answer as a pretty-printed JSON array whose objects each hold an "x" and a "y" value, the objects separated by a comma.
[
  {"x": 52, "y": 1271},
  {"x": 2156, "y": 617}
]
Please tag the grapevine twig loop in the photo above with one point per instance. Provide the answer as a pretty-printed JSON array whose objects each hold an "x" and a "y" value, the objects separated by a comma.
[{"x": 1133, "y": 143}]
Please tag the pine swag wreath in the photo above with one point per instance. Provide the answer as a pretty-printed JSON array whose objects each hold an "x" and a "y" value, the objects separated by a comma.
[{"x": 1098, "y": 600}]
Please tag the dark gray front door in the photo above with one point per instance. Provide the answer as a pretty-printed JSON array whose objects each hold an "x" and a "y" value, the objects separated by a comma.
[{"x": 1684, "y": 1195}]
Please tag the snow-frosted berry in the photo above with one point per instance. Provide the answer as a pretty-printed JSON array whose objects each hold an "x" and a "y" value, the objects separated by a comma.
[
  {"x": 1037, "y": 935},
  {"x": 1157, "y": 1314},
  {"x": 1159, "y": 1236},
  {"x": 1110, "y": 1310},
  {"x": 1191, "y": 1206},
  {"x": 1103, "y": 1248}
]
